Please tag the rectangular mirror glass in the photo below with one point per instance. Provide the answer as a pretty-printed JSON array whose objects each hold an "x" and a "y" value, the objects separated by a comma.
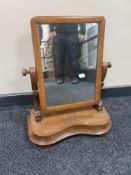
[{"x": 69, "y": 58}]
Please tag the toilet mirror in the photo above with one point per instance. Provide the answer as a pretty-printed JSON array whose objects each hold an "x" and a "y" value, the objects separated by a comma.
[{"x": 68, "y": 55}]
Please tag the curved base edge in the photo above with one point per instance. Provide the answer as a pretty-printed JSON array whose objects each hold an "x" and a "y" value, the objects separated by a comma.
[{"x": 85, "y": 128}]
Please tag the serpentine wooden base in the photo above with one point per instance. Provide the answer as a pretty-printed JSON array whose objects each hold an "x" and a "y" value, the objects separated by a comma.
[{"x": 59, "y": 126}]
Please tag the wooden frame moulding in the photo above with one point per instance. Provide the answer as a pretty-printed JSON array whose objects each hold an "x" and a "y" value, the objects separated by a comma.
[{"x": 35, "y": 21}]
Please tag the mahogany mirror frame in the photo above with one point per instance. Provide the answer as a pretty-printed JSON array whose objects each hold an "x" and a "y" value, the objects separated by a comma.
[{"x": 35, "y": 21}]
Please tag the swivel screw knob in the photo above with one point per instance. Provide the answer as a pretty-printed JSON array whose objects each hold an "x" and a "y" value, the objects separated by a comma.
[
  {"x": 109, "y": 64},
  {"x": 25, "y": 72}
]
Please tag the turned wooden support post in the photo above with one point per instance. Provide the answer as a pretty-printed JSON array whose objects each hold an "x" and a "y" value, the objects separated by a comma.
[
  {"x": 35, "y": 95},
  {"x": 105, "y": 67}
]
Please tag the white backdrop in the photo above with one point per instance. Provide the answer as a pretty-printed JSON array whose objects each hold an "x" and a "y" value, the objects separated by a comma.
[{"x": 16, "y": 45}]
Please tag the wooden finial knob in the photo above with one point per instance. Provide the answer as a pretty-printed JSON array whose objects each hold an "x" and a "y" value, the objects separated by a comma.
[
  {"x": 109, "y": 64},
  {"x": 25, "y": 72}
]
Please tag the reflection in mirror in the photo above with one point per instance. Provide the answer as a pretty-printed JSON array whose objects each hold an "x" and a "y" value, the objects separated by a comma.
[{"x": 69, "y": 58}]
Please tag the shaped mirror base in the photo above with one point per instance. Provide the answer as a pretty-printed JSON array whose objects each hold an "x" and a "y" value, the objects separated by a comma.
[{"x": 58, "y": 127}]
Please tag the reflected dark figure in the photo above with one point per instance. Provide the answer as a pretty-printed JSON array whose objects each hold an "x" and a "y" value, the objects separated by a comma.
[
  {"x": 67, "y": 42},
  {"x": 40, "y": 33}
]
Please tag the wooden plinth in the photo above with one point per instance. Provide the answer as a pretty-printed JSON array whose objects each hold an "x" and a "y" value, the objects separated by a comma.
[{"x": 59, "y": 126}]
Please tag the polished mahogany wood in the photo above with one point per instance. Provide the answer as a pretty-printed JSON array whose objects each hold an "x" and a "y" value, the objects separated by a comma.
[
  {"x": 37, "y": 55},
  {"x": 59, "y": 122},
  {"x": 105, "y": 67},
  {"x": 35, "y": 94},
  {"x": 59, "y": 126}
]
